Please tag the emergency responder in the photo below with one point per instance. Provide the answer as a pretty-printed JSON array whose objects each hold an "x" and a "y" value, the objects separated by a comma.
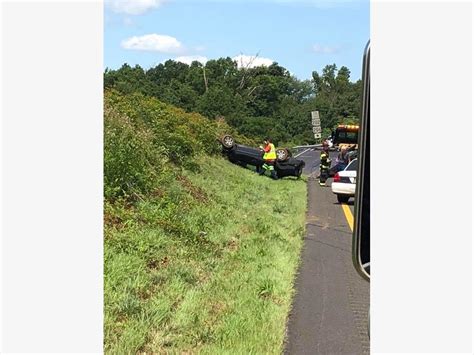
[
  {"x": 324, "y": 165},
  {"x": 269, "y": 158},
  {"x": 342, "y": 160}
]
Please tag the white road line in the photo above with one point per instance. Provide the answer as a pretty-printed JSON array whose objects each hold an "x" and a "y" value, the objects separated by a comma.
[{"x": 304, "y": 151}]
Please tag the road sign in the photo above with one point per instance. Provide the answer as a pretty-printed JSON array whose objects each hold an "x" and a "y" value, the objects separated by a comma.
[{"x": 316, "y": 122}]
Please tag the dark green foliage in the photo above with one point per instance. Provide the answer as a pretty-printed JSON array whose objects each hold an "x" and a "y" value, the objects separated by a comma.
[
  {"x": 256, "y": 101},
  {"x": 216, "y": 102},
  {"x": 145, "y": 141},
  {"x": 337, "y": 98}
]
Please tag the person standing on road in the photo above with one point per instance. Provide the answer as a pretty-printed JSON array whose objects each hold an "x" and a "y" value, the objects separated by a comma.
[
  {"x": 324, "y": 165},
  {"x": 342, "y": 160},
  {"x": 269, "y": 158}
]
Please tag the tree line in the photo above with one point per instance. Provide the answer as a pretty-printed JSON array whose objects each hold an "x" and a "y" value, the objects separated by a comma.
[{"x": 257, "y": 101}]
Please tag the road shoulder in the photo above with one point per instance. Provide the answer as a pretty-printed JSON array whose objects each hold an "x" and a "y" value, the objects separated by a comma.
[{"x": 329, "y": 312}]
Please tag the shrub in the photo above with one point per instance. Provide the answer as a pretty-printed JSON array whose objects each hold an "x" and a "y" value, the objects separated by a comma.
[
  {"x": 145, "y": 139},
  {"x": 131, "y": 161}
]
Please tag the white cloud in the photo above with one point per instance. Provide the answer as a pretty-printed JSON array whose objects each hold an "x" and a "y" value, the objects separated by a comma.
[
  {"x": 191, "y": 58},
  {"x": 153, "y": 42},
  {"x": 132, "y": 7},
  {"x": 317, "y": 48},
  {"x": 247, "y": 61}
]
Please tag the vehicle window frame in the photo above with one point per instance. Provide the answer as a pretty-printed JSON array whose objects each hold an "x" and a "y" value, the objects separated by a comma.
[{"x": 360, "y": 244}]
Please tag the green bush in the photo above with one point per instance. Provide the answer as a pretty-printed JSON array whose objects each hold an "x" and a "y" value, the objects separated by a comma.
[
  {"x": 146, "y": 141},
  {"x": 131, "y": 160}
]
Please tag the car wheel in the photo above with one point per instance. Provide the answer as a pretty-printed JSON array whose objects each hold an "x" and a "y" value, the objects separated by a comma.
[
  {"x": 342, "y": 198},
  {"x": 227, "y": 141},
  {"x": 282, "y": 154}
]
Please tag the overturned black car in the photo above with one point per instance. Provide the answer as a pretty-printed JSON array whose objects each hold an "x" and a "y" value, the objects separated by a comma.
[{"x": 243, "y": 155}]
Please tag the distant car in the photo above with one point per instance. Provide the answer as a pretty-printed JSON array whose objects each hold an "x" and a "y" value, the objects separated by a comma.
[
  {"x": 243, "y": 155},
  {"x": 344, "y": 182}
]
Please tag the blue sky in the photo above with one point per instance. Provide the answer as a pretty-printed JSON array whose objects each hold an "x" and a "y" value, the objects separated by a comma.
[{"x": 301, "y": 35}]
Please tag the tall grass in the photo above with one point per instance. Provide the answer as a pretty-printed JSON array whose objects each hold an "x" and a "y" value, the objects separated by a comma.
[{"x": 199, "y": 254}]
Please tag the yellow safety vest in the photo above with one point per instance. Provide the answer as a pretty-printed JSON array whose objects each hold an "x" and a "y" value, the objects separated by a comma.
[{"x": 271, "y": 155}]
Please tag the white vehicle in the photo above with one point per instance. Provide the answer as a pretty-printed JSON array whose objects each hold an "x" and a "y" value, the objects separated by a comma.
[{"x": 344, "y": 183}]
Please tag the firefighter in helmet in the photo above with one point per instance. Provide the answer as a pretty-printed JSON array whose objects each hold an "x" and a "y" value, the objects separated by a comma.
[{"x": 324, "y": 165}]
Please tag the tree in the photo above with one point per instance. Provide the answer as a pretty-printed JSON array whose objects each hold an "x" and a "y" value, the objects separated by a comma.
[
  {"x": 336, "y": 97},
  {"x": 264, "y": 100},
  {"x": 217, "y": 101}
]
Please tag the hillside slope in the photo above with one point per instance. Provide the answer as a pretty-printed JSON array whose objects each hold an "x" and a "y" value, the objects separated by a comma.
[{"x": 200, "y": 255}]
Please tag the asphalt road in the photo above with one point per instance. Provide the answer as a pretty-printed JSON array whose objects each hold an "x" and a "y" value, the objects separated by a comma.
[
  {"x": 329, "y": 311},
  {"x": 311, "y": 159}
]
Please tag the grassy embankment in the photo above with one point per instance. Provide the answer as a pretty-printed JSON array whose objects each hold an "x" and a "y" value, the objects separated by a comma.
[{"x": 199, "y": 257}]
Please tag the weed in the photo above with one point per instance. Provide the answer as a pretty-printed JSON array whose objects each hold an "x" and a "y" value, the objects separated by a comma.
[{"x": 265, "y": 288}]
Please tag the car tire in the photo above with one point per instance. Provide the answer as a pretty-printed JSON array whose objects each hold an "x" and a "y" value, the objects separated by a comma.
[
  {"x": 227, "y": 141},
  {"x": 342, "y": 198},
  {"x": 282, "y": 154}
]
